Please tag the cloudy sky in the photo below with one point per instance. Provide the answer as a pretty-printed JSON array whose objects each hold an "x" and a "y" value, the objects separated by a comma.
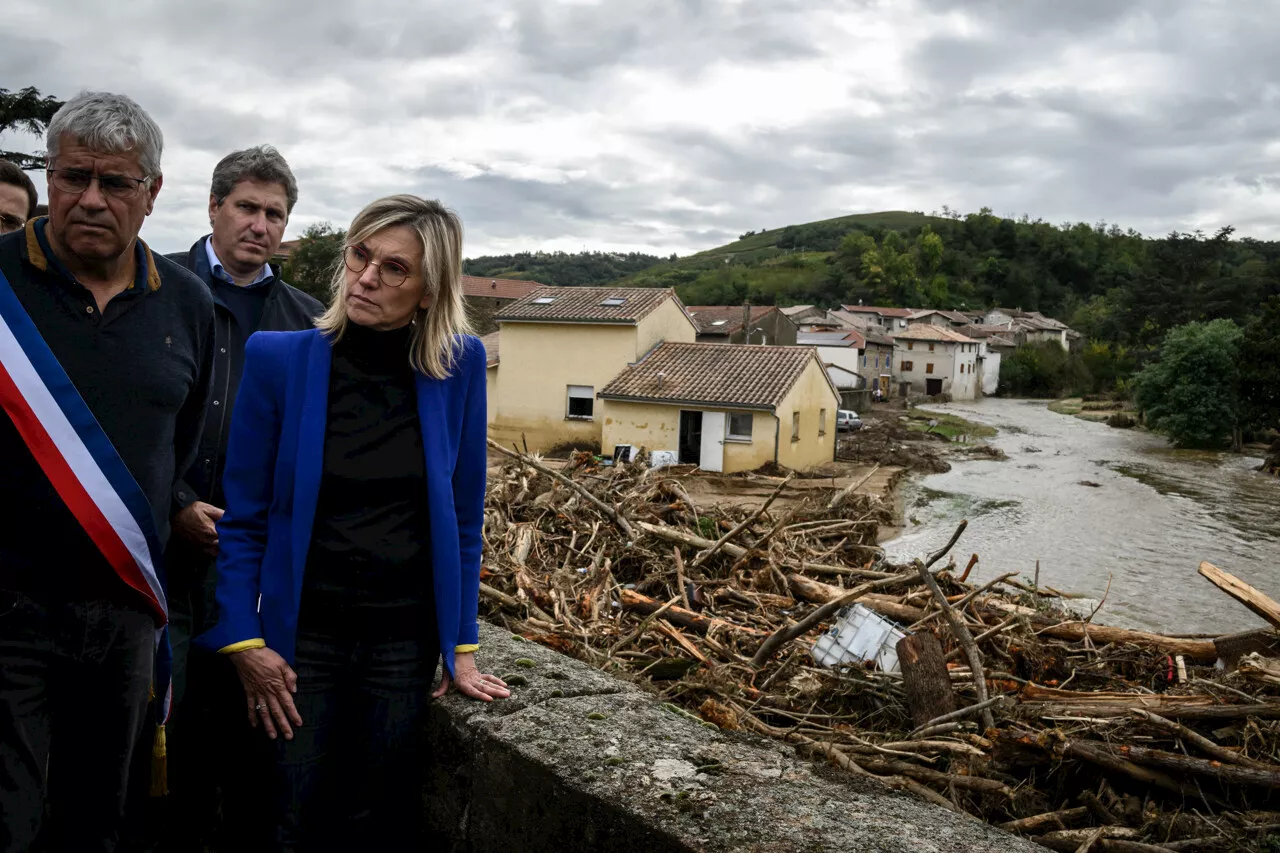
[{"x": 675, "y": 125}]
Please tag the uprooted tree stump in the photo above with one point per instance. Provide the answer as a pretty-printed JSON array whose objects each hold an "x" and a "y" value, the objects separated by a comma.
[{"x": 924, "y": 677}]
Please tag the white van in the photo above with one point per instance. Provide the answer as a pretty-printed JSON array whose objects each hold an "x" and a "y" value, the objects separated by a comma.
[{"x": 847, "y": 421}]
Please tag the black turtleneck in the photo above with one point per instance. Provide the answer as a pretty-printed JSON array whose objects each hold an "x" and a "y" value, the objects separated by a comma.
[{"x": 370, "y": 544}]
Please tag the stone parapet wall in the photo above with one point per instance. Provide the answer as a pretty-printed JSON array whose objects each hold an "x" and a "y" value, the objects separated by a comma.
[{"x": 579, "y": 761}]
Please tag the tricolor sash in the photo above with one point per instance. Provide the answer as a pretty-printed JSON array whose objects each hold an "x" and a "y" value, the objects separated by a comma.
[{"x": 82, "y": 464}]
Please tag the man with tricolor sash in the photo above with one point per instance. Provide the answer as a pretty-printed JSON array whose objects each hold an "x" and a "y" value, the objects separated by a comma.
[{"x": 105, "y": 358}]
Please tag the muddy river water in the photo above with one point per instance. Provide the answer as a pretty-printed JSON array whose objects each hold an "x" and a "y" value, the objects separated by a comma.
[{"x": 1152, "y": 516}]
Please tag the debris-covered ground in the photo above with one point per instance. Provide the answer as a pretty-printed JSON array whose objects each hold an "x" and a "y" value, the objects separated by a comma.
[{"x": 1012, "y": 704}]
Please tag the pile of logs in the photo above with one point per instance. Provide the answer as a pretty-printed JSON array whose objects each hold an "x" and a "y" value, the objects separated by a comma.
[{"x": 1012, "y": 704}]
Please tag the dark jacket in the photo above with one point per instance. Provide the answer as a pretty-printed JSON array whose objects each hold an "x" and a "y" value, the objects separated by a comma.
[
  {"x": 142, "y": 368},
  {"x": 287, "y": 309}
]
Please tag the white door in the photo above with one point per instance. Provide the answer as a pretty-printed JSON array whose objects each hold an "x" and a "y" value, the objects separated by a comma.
[{"x": 712, "y": 441}]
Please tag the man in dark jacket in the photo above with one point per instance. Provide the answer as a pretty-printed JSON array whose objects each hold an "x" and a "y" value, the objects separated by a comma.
[
  {"x": 252, "y": 195},
  {"x": 133, "y": 334}
]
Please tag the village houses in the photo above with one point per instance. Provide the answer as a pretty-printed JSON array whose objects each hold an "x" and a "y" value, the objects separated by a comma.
[
  {"x": 619, "y": 367},
  {"x": 933, "y": 360},
  {"x": 485, "y": 297},
  {"x": 864, "y": 353},
  {"x": 741, "y": 324}
]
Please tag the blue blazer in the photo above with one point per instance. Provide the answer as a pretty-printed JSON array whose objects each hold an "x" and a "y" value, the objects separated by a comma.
[{"x": 272, "y": 480}]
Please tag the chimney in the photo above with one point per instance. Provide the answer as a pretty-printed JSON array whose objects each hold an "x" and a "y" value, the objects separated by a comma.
[{"x": 661, "y": 376}]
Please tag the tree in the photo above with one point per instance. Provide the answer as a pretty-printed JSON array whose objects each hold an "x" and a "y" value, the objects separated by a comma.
[
  {"x": 1192, "y": 393},
  {"x": 26, "y": 110},
  {"x": 1260, "y": 369},
  {"x": 312, "y": 263}
]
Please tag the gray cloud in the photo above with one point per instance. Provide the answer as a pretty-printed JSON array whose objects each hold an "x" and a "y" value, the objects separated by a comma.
[{"x": 673, "y": 125}]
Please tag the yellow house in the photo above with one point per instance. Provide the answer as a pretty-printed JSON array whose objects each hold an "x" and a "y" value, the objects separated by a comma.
[
  {"x": 490, "y": 342},
  {"x": 561, "y": 346},
  {"x": 725, "y": 407}
]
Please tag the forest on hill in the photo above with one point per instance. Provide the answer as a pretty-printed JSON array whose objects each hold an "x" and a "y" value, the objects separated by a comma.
[{"x": 566, "y": 269}]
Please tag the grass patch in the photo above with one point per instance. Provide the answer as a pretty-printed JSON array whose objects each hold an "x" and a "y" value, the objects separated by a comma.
[
  {"x": 949, "y": 425},
  {"x": 1068, "y": 406}
]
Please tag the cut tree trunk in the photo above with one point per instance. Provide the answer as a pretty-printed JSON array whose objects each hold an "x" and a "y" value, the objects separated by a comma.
[{"x": 925, "y": 678}]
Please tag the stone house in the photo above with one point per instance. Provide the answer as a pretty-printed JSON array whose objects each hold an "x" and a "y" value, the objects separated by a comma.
[{"x": 890, "y": 320}]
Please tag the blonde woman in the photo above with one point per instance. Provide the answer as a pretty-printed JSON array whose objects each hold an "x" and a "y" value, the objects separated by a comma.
[{"x": 354, "y": 484}]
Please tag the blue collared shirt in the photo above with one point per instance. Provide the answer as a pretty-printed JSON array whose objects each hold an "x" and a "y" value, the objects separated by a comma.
[{"x": 246, "y": 303}]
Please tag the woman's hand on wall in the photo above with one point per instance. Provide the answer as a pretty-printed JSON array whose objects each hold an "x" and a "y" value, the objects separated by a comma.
[
  {"x": 471, "y": 681},
  {"x": 269, "y": 685}
]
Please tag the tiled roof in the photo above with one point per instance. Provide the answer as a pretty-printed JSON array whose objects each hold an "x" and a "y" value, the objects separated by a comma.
[
  {"x": 953, "y": 316},
  {"x": 792, "y": 310},
  {"x": 713, "y": 374},
  {"x": 724, "y": 319},
  {"x": 979, "y": 330},
  {"x": 498, "y": 288},
  {"x": 850, "y": 318},
  {"x": 925, "y": 332},
  {"x": 884, "y": 312},
  {"x": 876, "y": 338},
  {"x": 998, "y": 341},
  {"x": 490, "y": 342},
  {"x": 842, "y": 338},
  {"x": 623, "y": 305}
]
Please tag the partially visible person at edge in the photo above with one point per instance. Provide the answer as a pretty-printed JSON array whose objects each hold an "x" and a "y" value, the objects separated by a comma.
[
  {"x": 214, "y": 758},
  {"x": 354, "y": 489},
  {"x": 18, "y": 199},
  {"x": 89, "y": 467}
]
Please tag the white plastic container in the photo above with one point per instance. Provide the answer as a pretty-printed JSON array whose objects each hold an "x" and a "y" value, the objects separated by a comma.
[{"x": 859, "y": 634}]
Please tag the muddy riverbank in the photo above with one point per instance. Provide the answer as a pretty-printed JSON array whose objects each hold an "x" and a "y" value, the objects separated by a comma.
[{"x": 1090, "y": 502}]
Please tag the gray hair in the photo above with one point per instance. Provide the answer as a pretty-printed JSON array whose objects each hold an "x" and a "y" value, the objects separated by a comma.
[
  {"x": 109, "y": 123},
  {"x": 260, "y": 163}
]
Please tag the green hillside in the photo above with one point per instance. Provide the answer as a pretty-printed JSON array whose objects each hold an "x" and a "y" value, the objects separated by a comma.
[{"x": 783, "y": 266}]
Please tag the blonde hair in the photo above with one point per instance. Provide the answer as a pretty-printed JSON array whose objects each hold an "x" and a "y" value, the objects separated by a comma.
[{"x": 435, "y": 342}]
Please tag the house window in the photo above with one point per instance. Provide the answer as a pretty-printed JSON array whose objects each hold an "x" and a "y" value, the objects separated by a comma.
[
  {"x": 888, "y": 361},
  {"x": 613, "y": 301},
  {"x": 864, "y": 359},
  {"x": 739, "y": 426},
  {"x": 544, "y": 300},
  {"x": 877, "y": 362},
  {"x": 908, "y": 366},
  {"x": 582, "y": 400},
  {"x": 928, "y": 368},
  {"x": 930, "y": 347},
  {"x": 822, "y": 421},
  {"x": 795, "y": 426},
  {"x": 911, "y": 345}
]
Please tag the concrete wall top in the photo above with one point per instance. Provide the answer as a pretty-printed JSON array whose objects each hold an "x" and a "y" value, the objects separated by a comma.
[{"x": 578, "y": 760}]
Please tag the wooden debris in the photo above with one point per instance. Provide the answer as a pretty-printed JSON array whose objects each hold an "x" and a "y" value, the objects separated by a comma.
[
  {"x": 924, "y": 678},
  {"x": 1095, "y": 736},
  {"x": 1251, "y": 598}
]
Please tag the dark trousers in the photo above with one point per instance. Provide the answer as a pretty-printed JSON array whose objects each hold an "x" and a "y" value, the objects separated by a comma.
[
  {"x": 74, "y": 679},
  {"x": 219, "y": 767},
  {"x": 352, "y": 777}
]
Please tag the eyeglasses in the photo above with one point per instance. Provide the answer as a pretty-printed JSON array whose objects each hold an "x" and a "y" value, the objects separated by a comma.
[
  {"x": 390, "y": 273},
  {"x": 77, "y": 181},
  {"x": 9, "y": 222}
]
